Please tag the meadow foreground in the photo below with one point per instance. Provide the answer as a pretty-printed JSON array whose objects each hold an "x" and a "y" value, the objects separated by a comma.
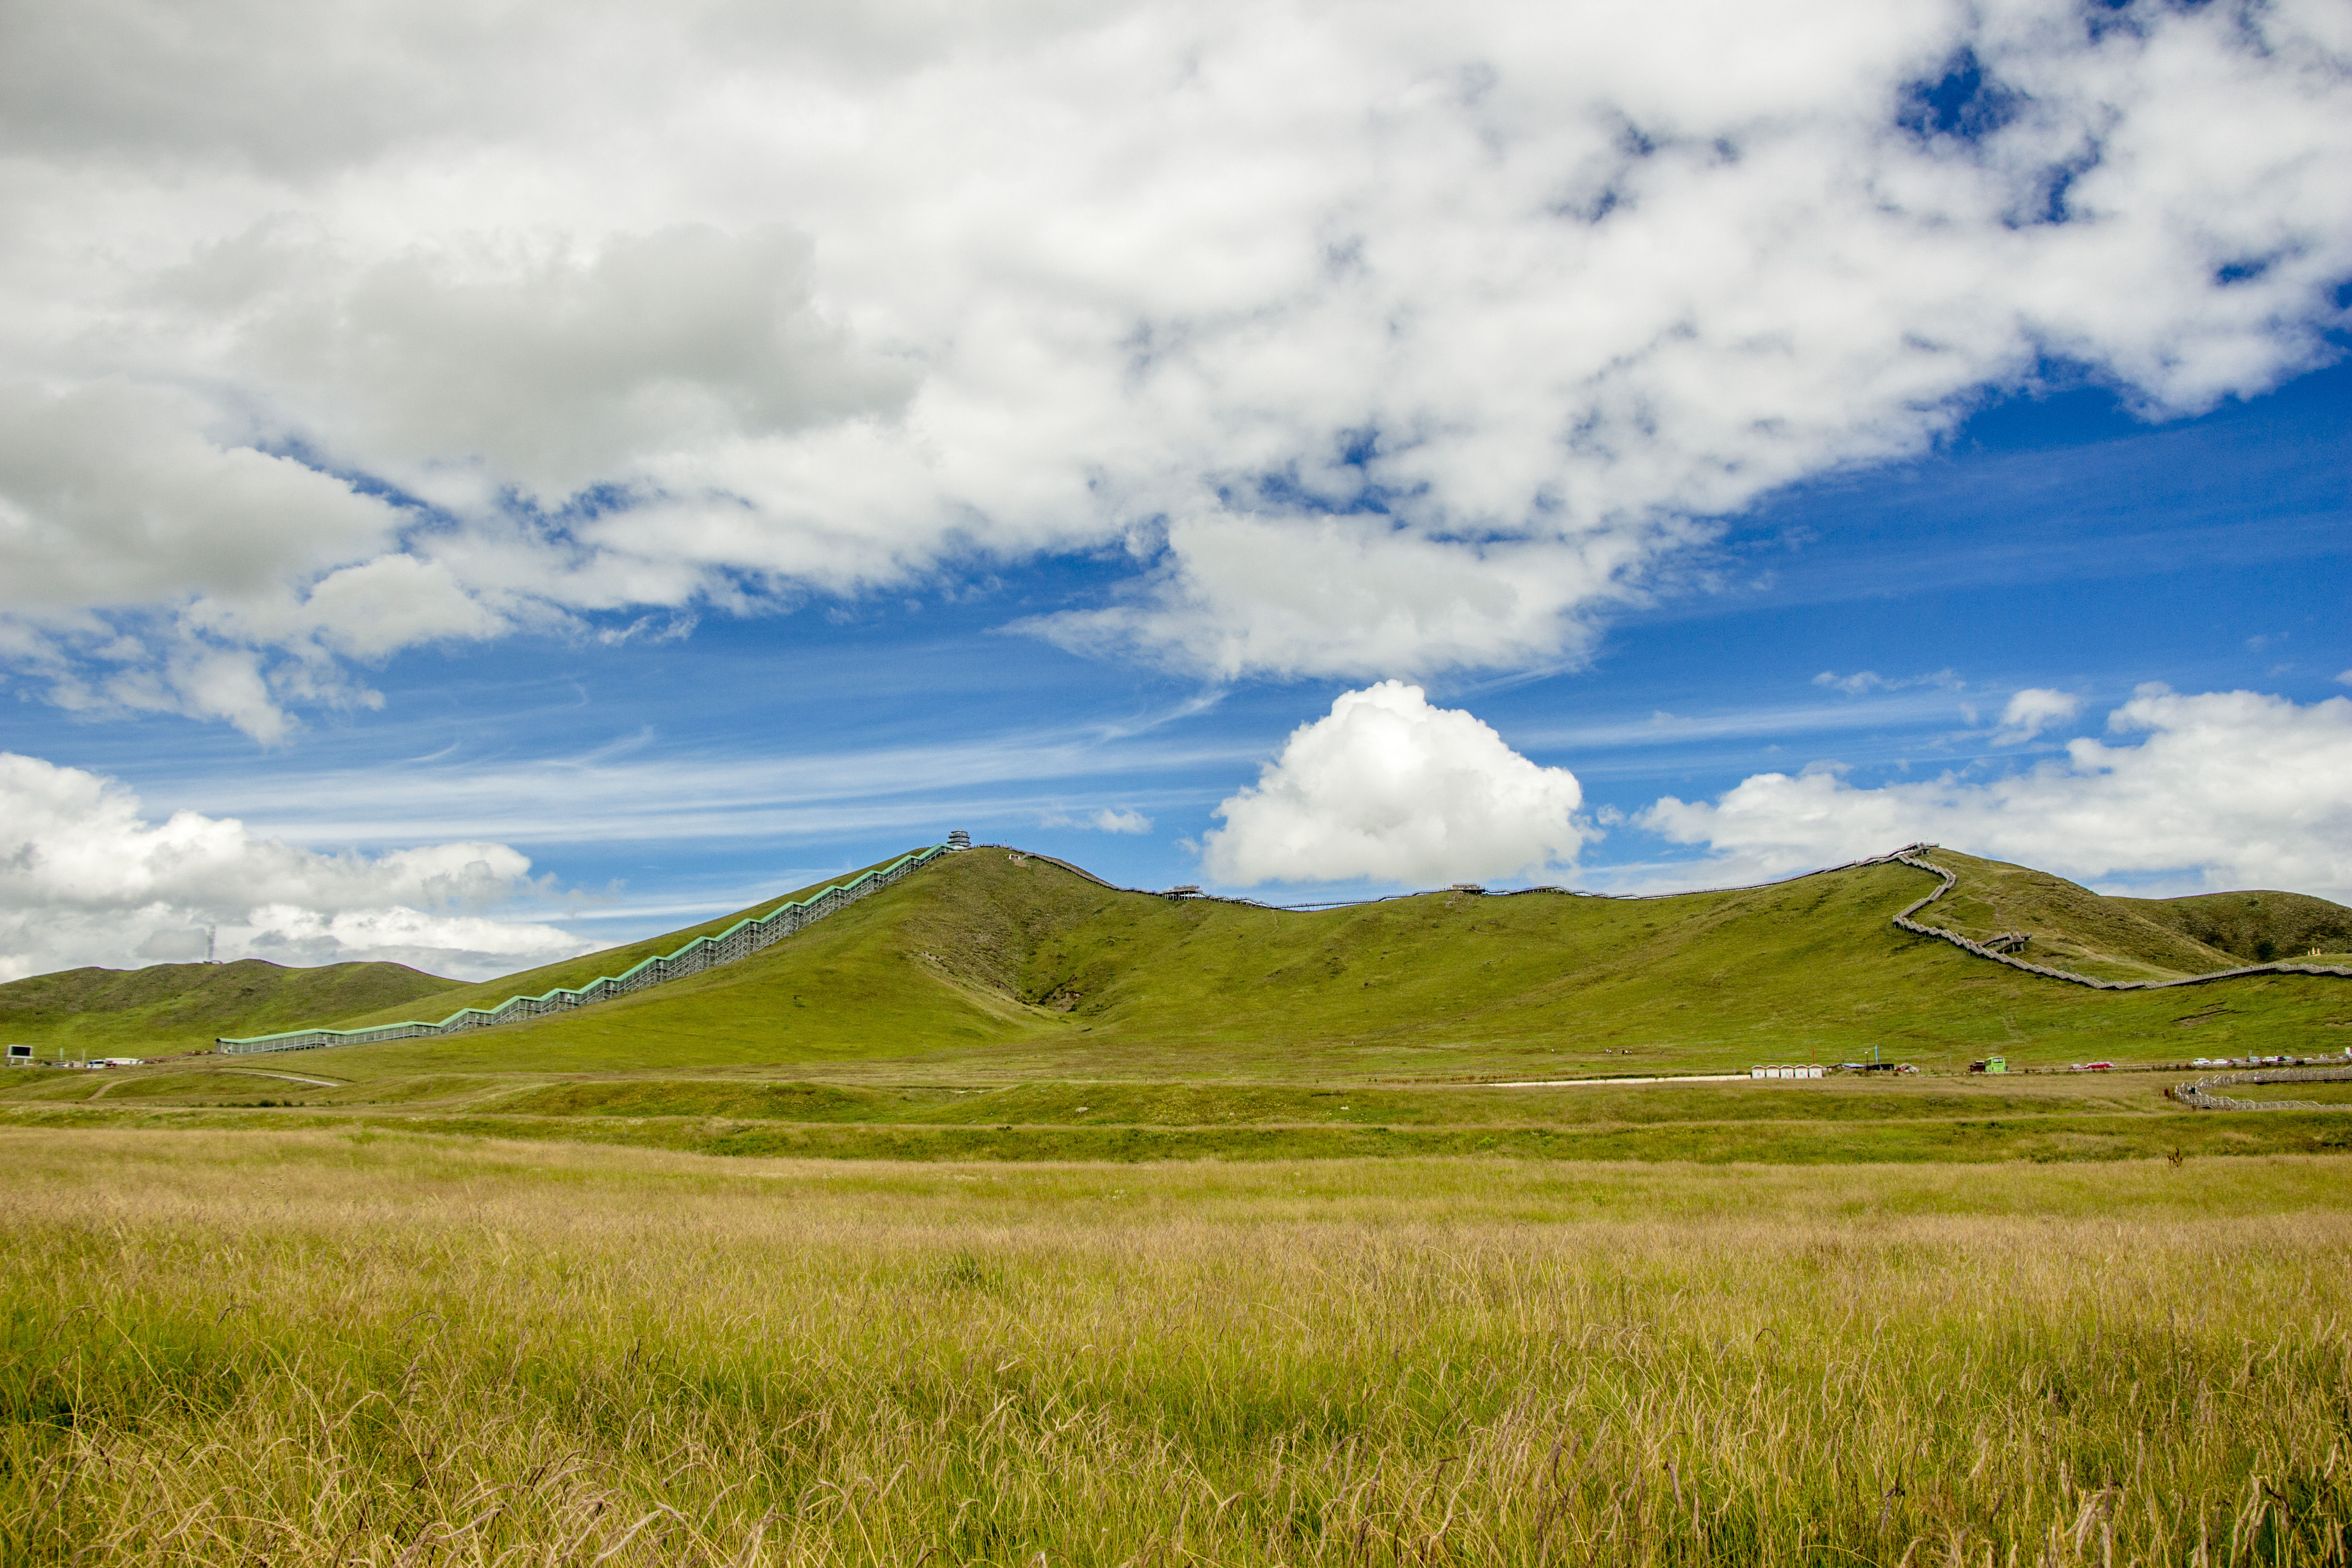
[{"x": 316, "y": 1346}]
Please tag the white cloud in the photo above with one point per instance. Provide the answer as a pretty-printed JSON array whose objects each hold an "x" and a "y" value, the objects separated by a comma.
[
  {"x": 655, "y": 307},
  {"x": 116, "y": 492},
  {"x": 2033, "y": 710},
  {"x": 2224, "y": 790},
  {"x": 1864, "y": 681},
  {"x": 1103, "y": 820},
  {"x": 85, "y": 878},
  {"x": 112, "y": 494},
  {"x": 1387, "y": 786},
  {"x": 557, "y": 371},
  {"x": 1240, "y": 595}
]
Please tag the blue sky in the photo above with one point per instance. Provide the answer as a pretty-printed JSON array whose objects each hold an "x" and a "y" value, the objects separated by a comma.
[{"x": 1924, "y": 438}]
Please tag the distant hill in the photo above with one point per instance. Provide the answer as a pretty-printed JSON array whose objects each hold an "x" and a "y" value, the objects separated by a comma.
[
  {"x": 171, "y": 1007},
  {"x": 2252, "y": 927},
  {"x": 1012, "y": 960},
  {"x": 1015, "y": 961}
]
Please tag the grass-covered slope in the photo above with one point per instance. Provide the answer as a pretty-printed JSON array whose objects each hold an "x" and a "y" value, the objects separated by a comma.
[
  {"x": 2071, "y": 927},
  {"x": 2252, "y": 927},
  {"x": 574, "y": 973},
  {"x": 171, "y": 1007},
  {"x": 2136, "y": 939},
  {"x": 930, "y": 963},
  {"x": 1010, "y": 967},
  {"x": 989, "y": 963}
]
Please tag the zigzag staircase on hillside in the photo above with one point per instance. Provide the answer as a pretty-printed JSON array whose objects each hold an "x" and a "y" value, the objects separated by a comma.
[
  {"x": 1995, "y": 948},
  {"x": 742, "y": 940}
]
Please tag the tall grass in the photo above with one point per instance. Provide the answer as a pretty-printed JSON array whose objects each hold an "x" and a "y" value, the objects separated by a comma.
[{"x": 311, "y": 1348}]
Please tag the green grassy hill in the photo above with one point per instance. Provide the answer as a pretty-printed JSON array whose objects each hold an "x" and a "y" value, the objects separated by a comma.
[
  {"x": 2252, "y": 927},
  {"x": 572, "y": 973},
  {"x": 2137, "y": 938},
  {"x": 998, "y": 1007},
  {"x": 1009, "y": 967},
  {"x": 167, "y": 1008},
  {"x": 1014, "y": 967},
  {"x": 173, "y": 1007},
  {"x": 2071, "y": 927}
]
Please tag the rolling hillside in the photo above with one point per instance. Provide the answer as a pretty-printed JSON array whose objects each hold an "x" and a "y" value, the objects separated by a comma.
[
  {"x": 1010, "y": 965},
  {"x": 572, "y": 973},
  {"x": 172, "y": 1007},
  {"x": 2252, "y": 927},
  {"x": 993, "y": 963},
  {"x": 168, "y": 1008}
]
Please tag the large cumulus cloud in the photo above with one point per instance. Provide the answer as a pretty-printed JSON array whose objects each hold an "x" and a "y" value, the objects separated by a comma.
[
  {"x": 1388, "y": 787},
  {"x": 1385, "y": 340},
  {"x": 85, "y": 878}
]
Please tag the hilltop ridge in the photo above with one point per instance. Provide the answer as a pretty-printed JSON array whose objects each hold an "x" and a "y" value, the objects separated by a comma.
[
  {"x": 1002, "y": 955},
  {"x": 2255, "y": 926}
]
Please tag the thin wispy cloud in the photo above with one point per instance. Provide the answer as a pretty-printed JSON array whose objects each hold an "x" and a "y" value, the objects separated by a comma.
[
  {"x": 678, "y": 797},
  {"x": 1663, "y": 729}
]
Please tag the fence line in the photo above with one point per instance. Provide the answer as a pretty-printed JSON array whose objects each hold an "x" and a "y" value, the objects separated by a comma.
[
  {"x": 2194, "y": 1094},
  {"x": 742, "y": 940}
]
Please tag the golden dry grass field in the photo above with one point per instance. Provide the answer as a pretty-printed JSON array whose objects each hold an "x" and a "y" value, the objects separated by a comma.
[
  {"x": 341, "y": 1345},
  {"x": 1007, "y": 1219}
]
